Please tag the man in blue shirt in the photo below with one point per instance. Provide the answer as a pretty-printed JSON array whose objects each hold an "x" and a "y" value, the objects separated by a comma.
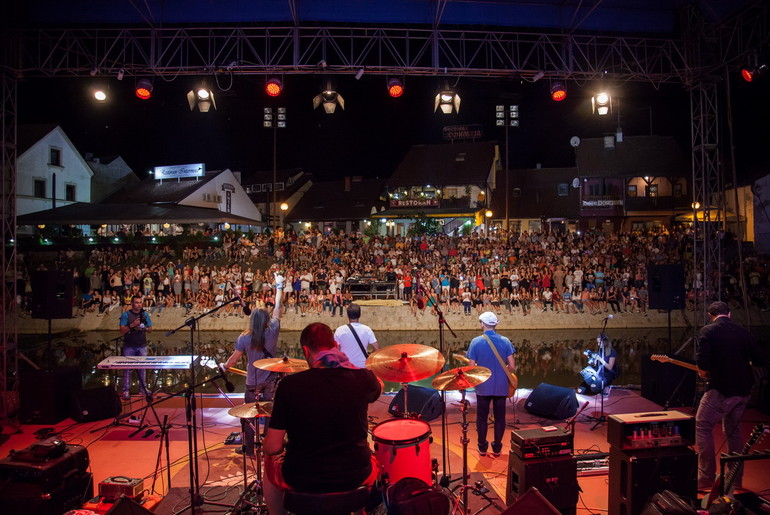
[
  {"x": 495, "y": 389},
  {"x": 134, "y": 324}
]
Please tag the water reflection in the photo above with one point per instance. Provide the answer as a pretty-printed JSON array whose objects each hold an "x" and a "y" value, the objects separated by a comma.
[{"x": 551, "y": 356}]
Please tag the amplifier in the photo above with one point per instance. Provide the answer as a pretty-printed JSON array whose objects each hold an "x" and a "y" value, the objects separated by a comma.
[
  {"x": 542, "y": 442},
  {"x": 649, "y": 430},
  {"x": 115, "y": 486}
]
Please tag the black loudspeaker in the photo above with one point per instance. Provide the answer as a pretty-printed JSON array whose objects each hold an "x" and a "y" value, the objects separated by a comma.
[
  {"x": 51, "y": 294},
  {"x": 553, "y": 402},
  {"x": 44, "y": 394},
  {"x": 666, "y": 384},
  {"x": 635, "y": 477},
  {"x": 666, "y": 286},
  {"x": 533, "y": 503},
  {"x": 94, "y": 404},
  {"x": 555, "y": 478},
  {"x": 423, "y": 401},
  {"x": 127, "y": 506}
]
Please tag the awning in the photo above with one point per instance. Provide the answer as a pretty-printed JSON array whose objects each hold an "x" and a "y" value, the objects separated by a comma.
[
  {"x": 712, "y": 215},
  {"x": 81, "y": 213}
]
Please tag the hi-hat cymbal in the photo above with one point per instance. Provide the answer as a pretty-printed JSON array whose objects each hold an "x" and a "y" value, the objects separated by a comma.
[
  {"x": 460, "y": 357},
  {"x": 252, "y": 410},
  {"x": 461, "y": 378},
  {"x": 405, "y": 362},
  {"x": 289, "y": 365}
]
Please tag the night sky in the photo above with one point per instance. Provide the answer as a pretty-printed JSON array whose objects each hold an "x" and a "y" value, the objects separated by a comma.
[{"x": 375, "y": 131}]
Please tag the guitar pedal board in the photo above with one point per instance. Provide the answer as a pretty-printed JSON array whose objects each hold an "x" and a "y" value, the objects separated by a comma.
[{"x": 632, "y": 431}]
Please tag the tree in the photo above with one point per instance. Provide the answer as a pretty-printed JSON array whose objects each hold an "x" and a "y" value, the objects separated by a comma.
[{"x": 424, "y": 226}]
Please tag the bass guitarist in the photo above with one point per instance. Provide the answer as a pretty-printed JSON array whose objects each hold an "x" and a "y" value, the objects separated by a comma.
[{"x": 724, "y": 356}]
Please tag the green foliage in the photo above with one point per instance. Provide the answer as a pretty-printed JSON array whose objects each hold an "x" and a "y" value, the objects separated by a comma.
[
  {"x": 424, "y": 226},
  {"x": 374, "y": 228}
]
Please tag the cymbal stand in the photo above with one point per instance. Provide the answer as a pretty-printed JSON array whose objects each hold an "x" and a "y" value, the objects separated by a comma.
[
  {"x": 464, "y": 440},
  {"x": 445, "y": 480}
]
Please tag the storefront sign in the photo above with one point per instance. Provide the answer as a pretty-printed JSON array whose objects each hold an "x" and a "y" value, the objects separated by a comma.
[
  {"x": 418, "y": 202},
  {"x": 180, "y": 171}
]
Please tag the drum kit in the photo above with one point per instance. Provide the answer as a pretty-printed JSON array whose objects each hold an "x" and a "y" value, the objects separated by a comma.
[{"x": 401, "y": 445}]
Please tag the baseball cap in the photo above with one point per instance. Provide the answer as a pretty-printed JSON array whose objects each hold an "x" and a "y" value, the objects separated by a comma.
[{"x": 488, "y": 318}]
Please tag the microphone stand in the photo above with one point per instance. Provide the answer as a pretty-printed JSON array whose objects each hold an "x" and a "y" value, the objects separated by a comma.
[
  {"x": 444, "y": 481},
  {"x": 190, "y": 408},
  {"x": 601, "y": 418}
]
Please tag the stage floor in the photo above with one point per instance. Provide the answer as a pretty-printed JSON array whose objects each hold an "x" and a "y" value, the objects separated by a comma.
[{"x": 122, "y": 451}]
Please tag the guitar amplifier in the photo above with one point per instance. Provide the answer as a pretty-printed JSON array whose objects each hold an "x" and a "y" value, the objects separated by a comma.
[
  {"x": 650, "y": 430},
  {"x": 115, "y": 486},
  {"x": 542, "y": 442}
]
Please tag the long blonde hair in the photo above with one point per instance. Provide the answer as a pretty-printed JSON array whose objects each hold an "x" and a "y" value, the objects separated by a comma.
[{"x": 258, "y": 322}]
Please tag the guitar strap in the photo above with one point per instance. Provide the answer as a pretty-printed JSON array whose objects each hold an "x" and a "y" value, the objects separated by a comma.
[
  {"x": 360, "y": 345},
  {"x": 499, "y": 359}
]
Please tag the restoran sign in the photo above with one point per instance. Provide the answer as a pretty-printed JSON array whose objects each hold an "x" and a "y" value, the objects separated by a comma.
[{"x": 179, "y": 171}]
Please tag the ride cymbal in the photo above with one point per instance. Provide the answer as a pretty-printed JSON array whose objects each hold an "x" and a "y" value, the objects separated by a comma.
[
  {"x": 405, "y": 362},
  {"x": 288, "y": 365},
  {"x": 252, "y": 410},
  {"x": 461, "y": 378},
  {"x": 460, "y": 357}
]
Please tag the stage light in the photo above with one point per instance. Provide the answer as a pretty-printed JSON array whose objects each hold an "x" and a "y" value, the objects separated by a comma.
[
  {"x": 601, "y": 103},
  {"x": 100, "y": 95},
  {"x": 202, "y": 98},
  {"x": 329, "y": 98},
  {"x": 447, "y": 100},
  {"x": 749, "y": 74},
  {"x": 395, "y": 87},
  {"x": 359, "y": 73},
  {"x": 143, "y": 89},
  {"x": 558, "y": 91},
  {"x": 121, "y": 72},
  {"x": 538, "y": 76},
  {"x": 274, "y": 86}
]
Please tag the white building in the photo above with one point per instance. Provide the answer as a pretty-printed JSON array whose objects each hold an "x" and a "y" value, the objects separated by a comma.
[{"x": 50, "y": 172}]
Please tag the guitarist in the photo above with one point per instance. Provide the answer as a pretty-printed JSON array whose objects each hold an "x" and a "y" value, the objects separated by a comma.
[
  {"x": 495, "y": 389},
  {"x": 724, "y": 356}
]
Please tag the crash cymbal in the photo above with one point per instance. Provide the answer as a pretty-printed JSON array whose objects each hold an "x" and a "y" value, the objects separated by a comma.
[
  {"x": 460, "y": 357},
  {"x": 252, "y": 410},
  {"x": 405, "y": 362},
  {"x": 461, "y": 378},
  {"x": 289, "y": 365}
]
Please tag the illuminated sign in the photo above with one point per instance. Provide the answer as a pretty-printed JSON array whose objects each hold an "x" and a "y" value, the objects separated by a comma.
[
  {"x": 421, "y": 202},
  {"x": 180, "y": 171}
]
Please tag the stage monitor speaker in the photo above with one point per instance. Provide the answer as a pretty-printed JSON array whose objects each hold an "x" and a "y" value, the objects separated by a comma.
[
  {"x": 636, "y": 476},
  {"x": 666, "y": 384},
  {"x": 44, "y": 394},
  {"x": 666, "y": 286},
  {"x": 51, "y": 294},
  {"x": 94, "y": 404},
  {"x": 127, "y": 506},
  {"x": 553, "y": 402},
  {"x": 532, "y": 503},
  {"x": 556, "y": 478},
  {"x": 423, "y": 401}
]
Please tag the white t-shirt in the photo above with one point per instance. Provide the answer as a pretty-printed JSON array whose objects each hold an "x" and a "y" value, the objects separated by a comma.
[{"x": 349, "y": 345}]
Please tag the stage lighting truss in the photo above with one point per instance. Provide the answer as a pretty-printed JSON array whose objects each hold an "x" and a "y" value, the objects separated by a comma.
[
  {"x": 558, "y": 91},
  {"x": 395, "y": 87},
  {"x": 274, "y": 86},
  {"x": 202, "y": 98},
  {"x": 329, "y": 98},
  {"x": 143, "y": 89}
]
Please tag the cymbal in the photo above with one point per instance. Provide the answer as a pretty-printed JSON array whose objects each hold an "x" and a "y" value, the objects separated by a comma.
[
  {"x": 460, "y": 357},
  {"x": 252, "y": 410},
  {"x": 289, "y": 365},
  {"x": 461, "y": 378},
  {"x": 405, "y": 362}
]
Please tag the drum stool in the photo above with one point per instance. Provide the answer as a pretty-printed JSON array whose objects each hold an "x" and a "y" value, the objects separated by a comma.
[{"x": 335, "y": 503}]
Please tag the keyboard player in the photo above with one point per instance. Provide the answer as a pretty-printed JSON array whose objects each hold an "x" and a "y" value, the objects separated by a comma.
[{"x": 134, "y": 326}]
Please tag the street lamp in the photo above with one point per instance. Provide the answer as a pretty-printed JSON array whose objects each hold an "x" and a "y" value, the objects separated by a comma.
[
  {"x": 284, "y": 208},
  {"x": 506, "y": 117},
  {"x": 279, "y": 122}
]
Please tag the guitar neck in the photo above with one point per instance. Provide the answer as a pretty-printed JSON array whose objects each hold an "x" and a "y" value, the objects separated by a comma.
[{"x": 666, "y": 359}]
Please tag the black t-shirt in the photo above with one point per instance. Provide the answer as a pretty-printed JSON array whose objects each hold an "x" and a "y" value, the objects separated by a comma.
[{"x": 324, "y": 414}]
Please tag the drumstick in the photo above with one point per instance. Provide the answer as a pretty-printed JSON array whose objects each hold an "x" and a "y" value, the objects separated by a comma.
[{"x": 237, "y": 371}]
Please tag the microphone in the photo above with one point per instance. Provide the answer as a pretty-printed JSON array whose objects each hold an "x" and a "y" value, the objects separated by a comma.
[
  {"x": 608, "y": 317},
  {"x": 246, "y": 308},
  {"x": 229, "y": 386}
]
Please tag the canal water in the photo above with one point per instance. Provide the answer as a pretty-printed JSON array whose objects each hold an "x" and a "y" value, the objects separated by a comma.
[{"x": 550, "y": 356}]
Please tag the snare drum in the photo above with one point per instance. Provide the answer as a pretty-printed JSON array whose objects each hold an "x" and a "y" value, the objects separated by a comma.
[{"x": 402, "y": 447}]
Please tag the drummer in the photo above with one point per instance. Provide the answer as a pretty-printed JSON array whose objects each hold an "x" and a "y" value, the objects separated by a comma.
[
  {"x": 259, "y": 341},
  {"x": 320, "y": 419},
  {"x": 495, "y": 389}
]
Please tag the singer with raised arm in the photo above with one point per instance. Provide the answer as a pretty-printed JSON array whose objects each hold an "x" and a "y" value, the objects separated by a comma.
[
  {"x": 259, "y": 341},
  {"x": 602, "y": 367},
  {"x": 134, "y": 326}
]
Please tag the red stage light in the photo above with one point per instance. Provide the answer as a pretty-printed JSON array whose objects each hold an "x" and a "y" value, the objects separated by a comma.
[
  {"x": 747, "y": 74},
  {"x": 395, "y": 88},
  {"x": 143, "y": 89},
  {"x": 558, "y": 91},
  {"x": 273, "y": 87}
]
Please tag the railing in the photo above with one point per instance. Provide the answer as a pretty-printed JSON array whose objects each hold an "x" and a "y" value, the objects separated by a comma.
[{"x": 372, "y": 289}]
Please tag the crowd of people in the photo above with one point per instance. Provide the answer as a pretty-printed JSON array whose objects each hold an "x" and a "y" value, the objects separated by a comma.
[{"x": 510, "y": 275}]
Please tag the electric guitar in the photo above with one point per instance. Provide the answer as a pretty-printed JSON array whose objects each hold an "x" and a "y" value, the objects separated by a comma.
[
  {"x": 760, "y": 430},
  {"x": 593, "y": 356},
  {"x": 665, "y": 359}
]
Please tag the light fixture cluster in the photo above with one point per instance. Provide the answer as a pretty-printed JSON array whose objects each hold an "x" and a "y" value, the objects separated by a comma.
[{"x": 601, "y": 103}]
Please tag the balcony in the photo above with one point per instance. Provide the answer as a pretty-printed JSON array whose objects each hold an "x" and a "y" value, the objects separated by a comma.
[{"x": 667, "y": 203}]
